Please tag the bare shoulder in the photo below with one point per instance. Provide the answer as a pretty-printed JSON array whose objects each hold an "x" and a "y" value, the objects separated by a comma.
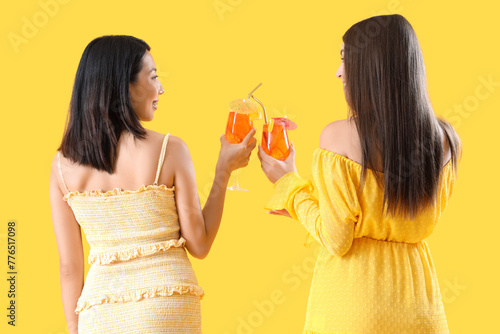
[
  {"x": 61, "y": 160},
  {"x": 177, "y": 150},
  {"x": 55, "y": 180},
  {"x": 339, "y": 137},
  {"x": 154, "y": 135},
  {"x": 177, "y": 144},
  {"x": 53, "y": 167}
]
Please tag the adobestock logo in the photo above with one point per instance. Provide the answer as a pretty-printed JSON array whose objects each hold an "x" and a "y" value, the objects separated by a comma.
[
  {"x": 221, "y": 7},
  {"x": 483, "y": 91},
  {"x": 30, "y": 27},
  {"x": 452, "y": 290},
  {"x": 296, "y": 275}
]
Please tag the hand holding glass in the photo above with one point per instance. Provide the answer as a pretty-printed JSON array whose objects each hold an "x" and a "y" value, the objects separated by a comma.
[
  {"x": 239, "y": 124},
  {"x": 275, "y": 140}
]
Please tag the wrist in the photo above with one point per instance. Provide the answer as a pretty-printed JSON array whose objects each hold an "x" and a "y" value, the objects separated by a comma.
[
  {"x": 285, "y": 173},
  {"x": 222, "y": 169},
  {"x": 222, "y": 174}
]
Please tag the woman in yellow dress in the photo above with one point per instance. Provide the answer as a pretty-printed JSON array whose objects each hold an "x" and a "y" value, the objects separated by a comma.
[
  {"x": 140, "y": 279},
  {"x": 384, "y": 176}
]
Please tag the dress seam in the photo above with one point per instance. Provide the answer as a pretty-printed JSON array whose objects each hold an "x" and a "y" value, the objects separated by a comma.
[{"x": 395, "y": 242}]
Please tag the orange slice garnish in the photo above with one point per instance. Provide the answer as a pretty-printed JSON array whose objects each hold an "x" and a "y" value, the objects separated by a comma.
[{"x": 270, "y": 125}]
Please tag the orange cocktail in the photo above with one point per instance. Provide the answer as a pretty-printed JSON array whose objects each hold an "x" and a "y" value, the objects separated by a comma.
[
  {"x": 238, "y": 126},
  {"x": 275, "y": 140},
  {"x": 239, "y": 123}
]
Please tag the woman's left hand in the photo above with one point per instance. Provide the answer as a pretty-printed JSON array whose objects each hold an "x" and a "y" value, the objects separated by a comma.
[{"x": 274, "y": 168}]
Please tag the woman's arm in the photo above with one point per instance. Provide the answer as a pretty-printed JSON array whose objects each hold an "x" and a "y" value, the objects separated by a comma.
[
  {"x": 69, "y": 246},
  {"x": 332, "y": 223},
  {"x": 199, "y": 227}
]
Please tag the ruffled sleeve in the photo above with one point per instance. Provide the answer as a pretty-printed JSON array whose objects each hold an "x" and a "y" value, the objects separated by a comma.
[
  {"x": 285, "y": 190},
  {"x": 330, "y": 220}
]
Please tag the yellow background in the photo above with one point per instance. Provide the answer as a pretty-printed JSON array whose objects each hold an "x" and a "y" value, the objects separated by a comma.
[{"x": 258, "y": 273}]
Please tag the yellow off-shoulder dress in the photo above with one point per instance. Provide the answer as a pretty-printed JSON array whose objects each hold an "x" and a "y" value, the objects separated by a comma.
[
  {"x": 373, "y": 274},
  {"x": 140, "y": 279}
]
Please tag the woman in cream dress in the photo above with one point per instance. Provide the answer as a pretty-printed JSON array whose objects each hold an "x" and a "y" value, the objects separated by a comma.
[{"x": 133, "y": 192}]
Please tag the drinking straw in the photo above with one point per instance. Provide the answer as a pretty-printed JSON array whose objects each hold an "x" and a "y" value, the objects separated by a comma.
[
  {"x": 253, "y": 90},
  {"x": 253, "y": 97},
  {"x": 263, "y": 108}
]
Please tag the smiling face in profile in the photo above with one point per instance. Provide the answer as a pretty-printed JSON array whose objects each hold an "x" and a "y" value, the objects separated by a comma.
[
  {"x": 145, "y": 91},
  {"x": 340, "y": 71}
]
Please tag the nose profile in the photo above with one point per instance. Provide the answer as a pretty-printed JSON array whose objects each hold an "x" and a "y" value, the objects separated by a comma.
[
  {"x": 161, "y": 90},
  {"x": 339, "y": 72}
]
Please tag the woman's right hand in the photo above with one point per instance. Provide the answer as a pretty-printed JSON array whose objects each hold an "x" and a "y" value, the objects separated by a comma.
[{"x": 234, "y": 156}]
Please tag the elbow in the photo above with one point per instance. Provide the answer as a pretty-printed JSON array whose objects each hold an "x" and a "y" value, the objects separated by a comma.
[
  {"x": 337, "y": 241},
  {"x": 338, "y": 249},
  {"x": 200, "y": 255},
  {"x": 337, "y": 252},
  {"x": 199, "y": 252}
]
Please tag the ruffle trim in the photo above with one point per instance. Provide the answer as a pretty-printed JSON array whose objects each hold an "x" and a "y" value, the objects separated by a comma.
[
  {"x": 117, "y": 191},
  {"x": 131, "y": 253},
  {"x": 284, "y": 193},
  {"x": 137, "y": 295},
  {"x": 337, "y": 156}
]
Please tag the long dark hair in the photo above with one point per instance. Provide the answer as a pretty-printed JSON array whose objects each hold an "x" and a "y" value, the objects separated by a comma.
[
  {"x": 100, "y": 108},
  {"x": 386, "y": 91}
]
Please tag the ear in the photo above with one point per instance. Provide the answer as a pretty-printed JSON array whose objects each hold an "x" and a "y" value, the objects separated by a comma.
[{"x": 131, "y": 91}]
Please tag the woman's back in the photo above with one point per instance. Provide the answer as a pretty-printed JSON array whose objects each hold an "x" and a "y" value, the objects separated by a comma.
[
  {"x": 136, "y": 249},
  {"x": 136, "y": 165},
  {"x": 383, "y": 181},
  {"x": 374, "y": 273},
  {"x": 132, "y": 198},
  {"x": 371, "y": 221},
  {"x": 342, "y": 137}
]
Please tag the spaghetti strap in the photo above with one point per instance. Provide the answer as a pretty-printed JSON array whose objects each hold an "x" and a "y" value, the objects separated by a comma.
[
  {"x": 162, "y": 157},
  {"x": 60, "y": 172}
]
